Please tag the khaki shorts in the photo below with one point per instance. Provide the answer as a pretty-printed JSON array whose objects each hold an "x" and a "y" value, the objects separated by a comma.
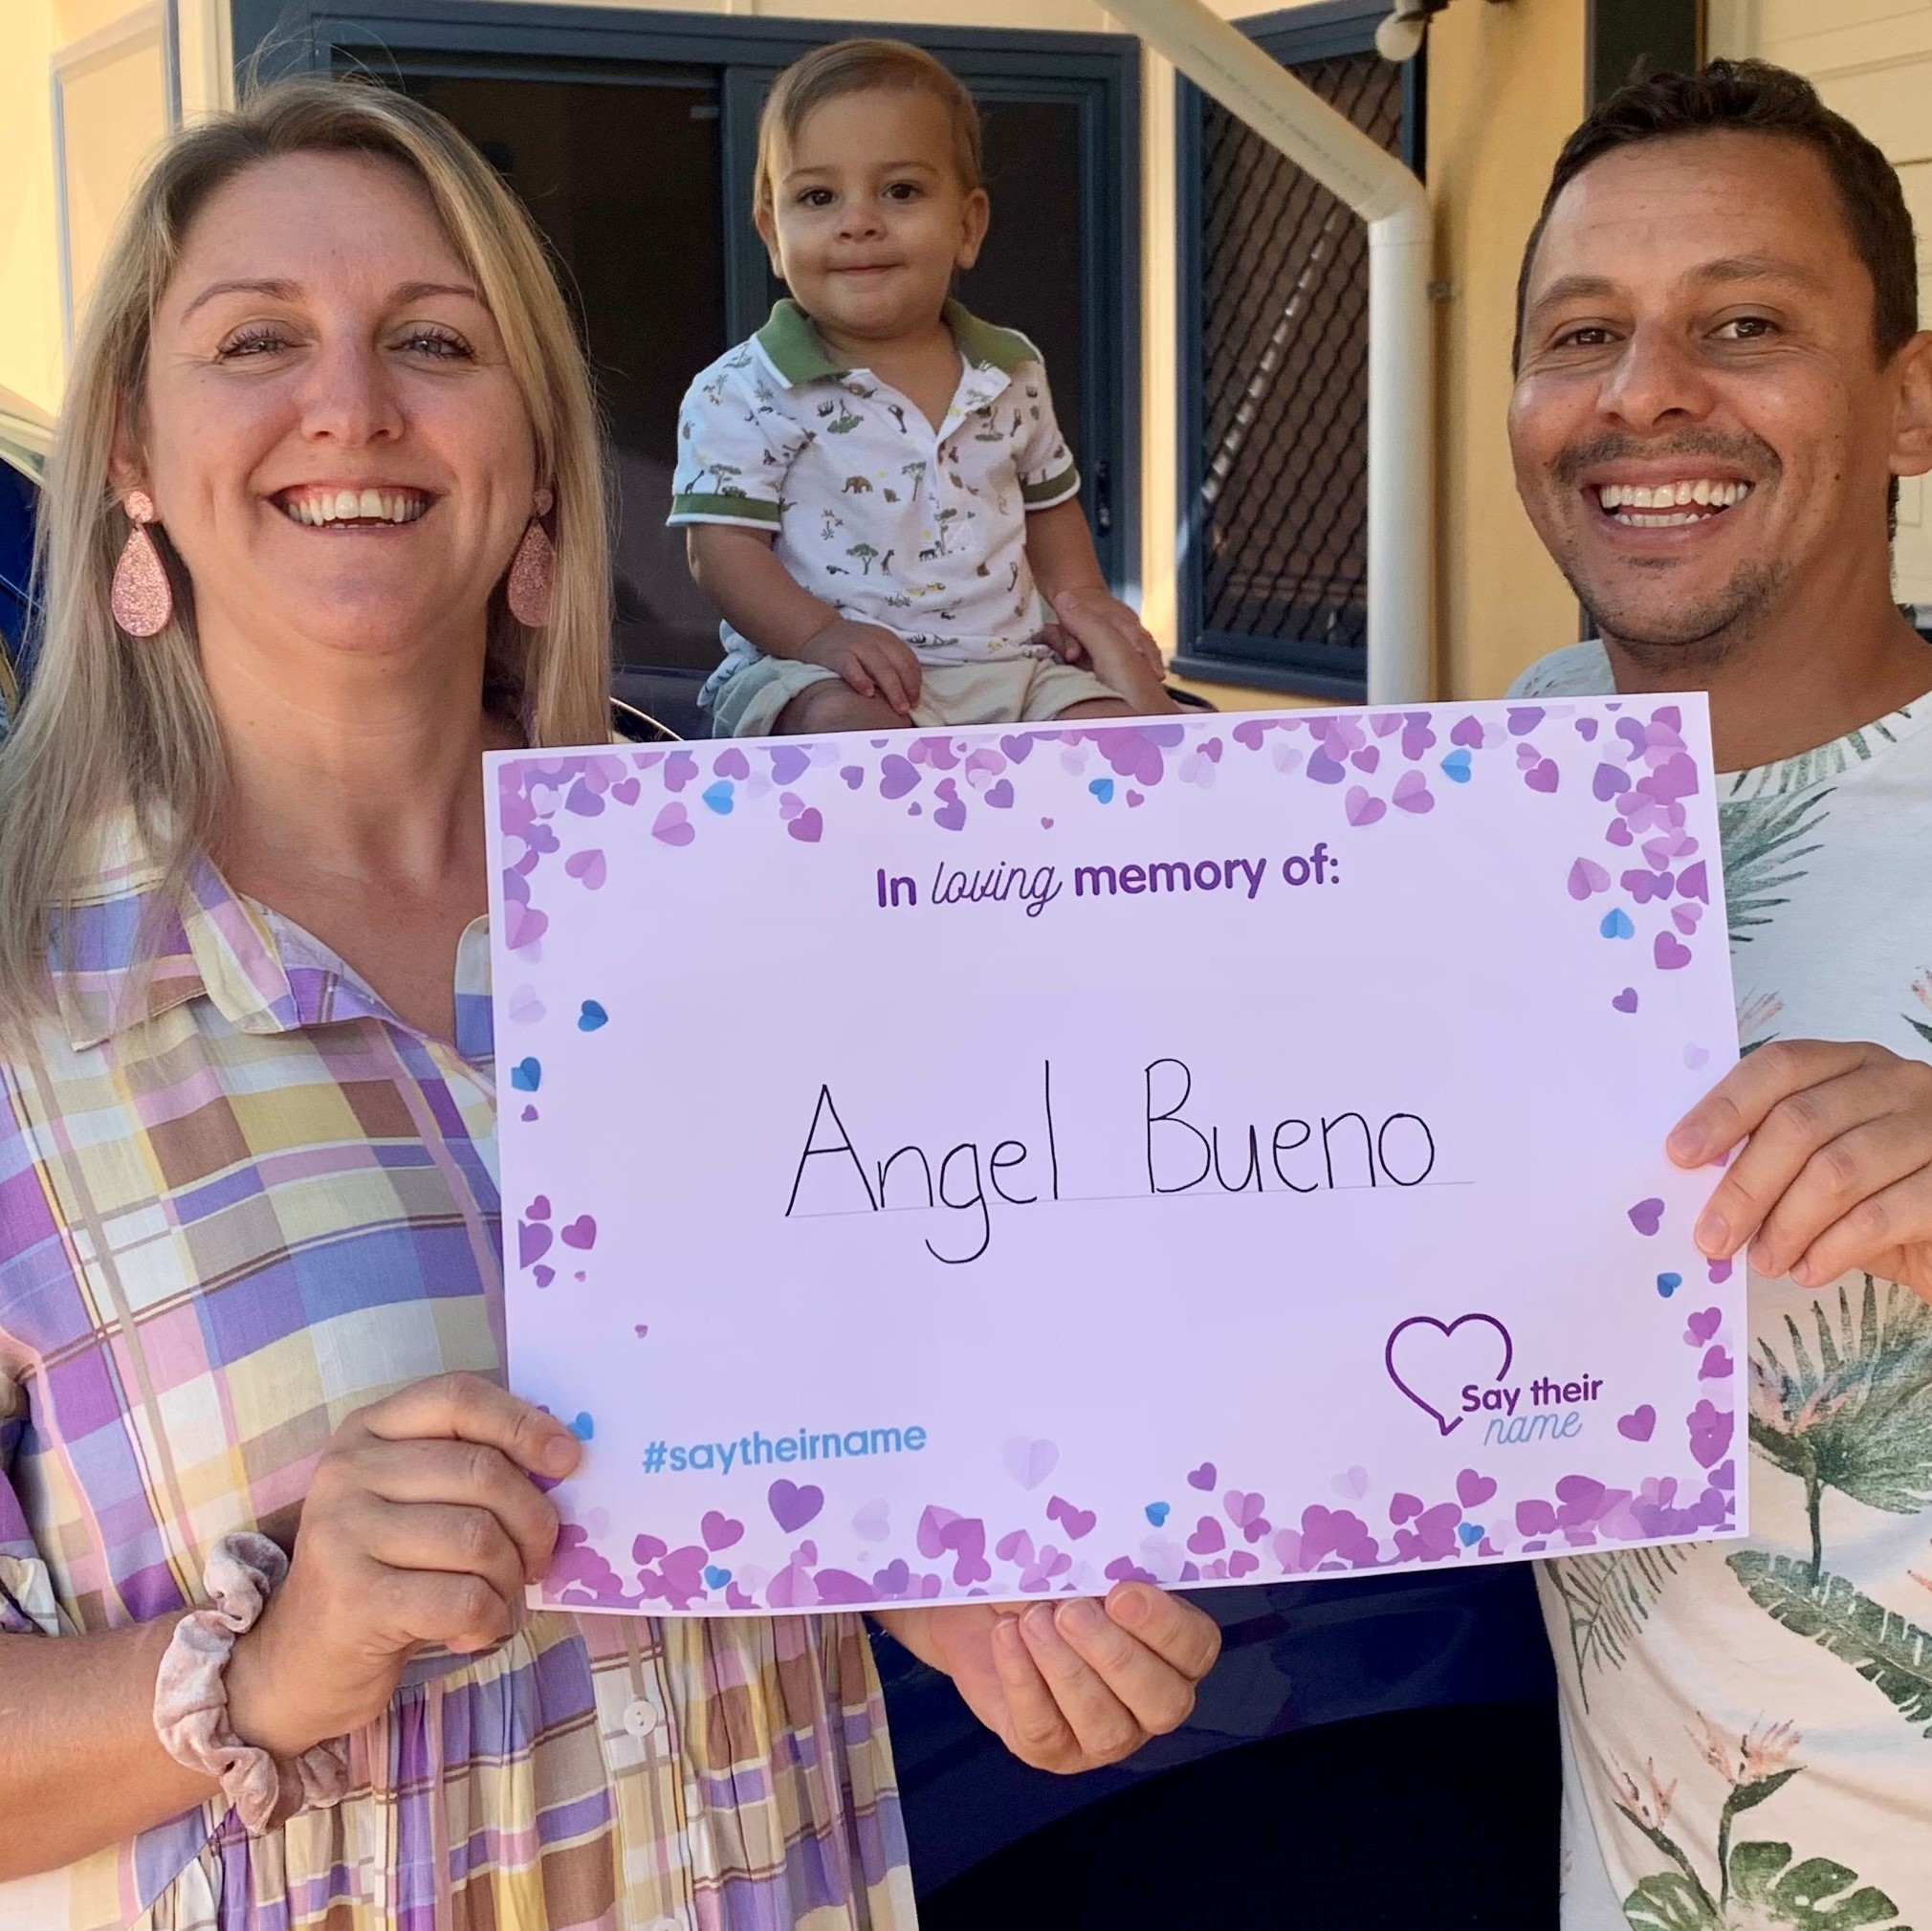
[{"x": 1009, "y": 690}]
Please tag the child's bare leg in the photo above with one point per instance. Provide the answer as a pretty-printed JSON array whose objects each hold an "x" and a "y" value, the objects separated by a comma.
[
  {"x": 832, "y": 705},
  {"x": 1099, "y": 706}
]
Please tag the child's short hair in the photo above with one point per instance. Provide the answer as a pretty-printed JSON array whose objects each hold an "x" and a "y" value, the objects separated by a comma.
[{"x": 862, "y": 67}]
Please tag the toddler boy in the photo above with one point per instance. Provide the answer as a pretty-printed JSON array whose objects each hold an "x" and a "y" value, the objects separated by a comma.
[{"x": 875, "y": 487}]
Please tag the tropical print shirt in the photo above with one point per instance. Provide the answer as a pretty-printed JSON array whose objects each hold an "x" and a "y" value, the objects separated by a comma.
[
  {"x": 240, "y": 1198},
  {"x": 1748, "y": 1726},
  {"x": 876, "y": 513}
]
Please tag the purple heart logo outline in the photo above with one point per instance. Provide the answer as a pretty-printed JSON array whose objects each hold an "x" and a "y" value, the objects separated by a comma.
[{"x": 1447, "y": 1330}]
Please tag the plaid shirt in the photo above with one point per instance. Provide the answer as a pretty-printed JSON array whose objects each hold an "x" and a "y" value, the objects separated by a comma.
[{"x": 239, "y": 1198}]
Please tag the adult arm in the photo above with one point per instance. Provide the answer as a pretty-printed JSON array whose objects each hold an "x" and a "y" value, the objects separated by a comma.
[
  {"x": 421, "y": 1525},
  {"x": 739, "y": 571},
  {"x": 81, "y": 1767},
  {"x": 1073, "y": 1685}
]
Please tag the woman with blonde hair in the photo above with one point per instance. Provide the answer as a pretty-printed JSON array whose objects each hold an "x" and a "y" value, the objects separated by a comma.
[{"x": 324, "y": 523}]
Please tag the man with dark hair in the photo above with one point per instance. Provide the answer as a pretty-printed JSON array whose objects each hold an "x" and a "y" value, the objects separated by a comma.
[{"x": 1719, "y": 381}]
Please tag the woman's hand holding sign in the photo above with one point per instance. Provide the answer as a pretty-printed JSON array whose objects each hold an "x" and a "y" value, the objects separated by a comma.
[
  {"x": 1075, "y": 1685},
  {"x": 1838, "y": 1169}
]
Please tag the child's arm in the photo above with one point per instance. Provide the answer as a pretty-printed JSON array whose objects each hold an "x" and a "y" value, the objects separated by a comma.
[
  {"x": 1111, "y": 637},
  {"x": 762, "y": 602}
]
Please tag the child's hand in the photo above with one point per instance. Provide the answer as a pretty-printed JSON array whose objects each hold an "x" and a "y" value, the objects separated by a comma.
[
  {"x": 869, "y": 658},
  {"x": 1100, "y": 630}
]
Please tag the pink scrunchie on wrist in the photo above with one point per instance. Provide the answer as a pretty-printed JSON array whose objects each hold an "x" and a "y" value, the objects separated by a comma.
[{"x": 190, "y": 1693}]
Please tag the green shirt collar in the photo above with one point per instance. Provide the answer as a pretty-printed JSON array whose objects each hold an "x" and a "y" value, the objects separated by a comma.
[{"x": 796, "y": 351}]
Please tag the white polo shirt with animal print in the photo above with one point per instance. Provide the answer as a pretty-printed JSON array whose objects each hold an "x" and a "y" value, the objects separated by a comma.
[{"x": 872, "y": 510}]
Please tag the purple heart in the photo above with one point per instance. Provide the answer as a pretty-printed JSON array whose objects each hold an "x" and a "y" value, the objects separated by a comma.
[
  {"x": 1586, "y": 728},
  {"x": 1626, "y": 1001},
  {"x": 1715, "y": 1366},
  {"x": 1412, "y": 794},
  {"x": 952, "y": 815},
  {"x": 855, "y": 776},
  {"x": 1018, "y": 749},
  {"x": 792, "y": 1507},
  {"x": 1404, "y": 1506},
  {"x": 626, "y": 790},
  {"x": 1609, "y": 781},
  {"x": 999, "y": 795},
  {"x": 1639, "y": 1424},
  {"x": 1586, "y": 876},
  {"x": 581, "y": 1234},
  {"x": 1473, "y": 1490},
  {"x": 1076, "y": 1522},
  {"x": 540, "y": 1207},
  {"x": 1361, "y": 808},
  {"x": 1207, "y": 1538},
  {"x": 1542, "y": 777},
  {"x": 587, "y": 866},
  {"x": 807, "y": 826},
  {"x": 1202, "y": 1478},
  {"x": 1647, "y": 1216},
  {"x": 544, "y": 1276},
  {"x": 720, "y": 1531},
  {"x": 1242, "y": 1506},
  {"x": 1693, "y": 883},
  {"x": 1670, "y": 955},
  {"x": 1418, "y": 1327},
  {"x": 1468, "y": 732},
  {"x": 790, "y": 762},
  {"x": 1703, "y": 1326},
  {"x": 897, "y": 775},
  {"x": 1325, "y": 770},
  {"x": 533, "y": 1243},
  {"x": 673, "y": 826},
  {"x": 1030, "y": 1462},
  {"x": 522, "y": 925}
]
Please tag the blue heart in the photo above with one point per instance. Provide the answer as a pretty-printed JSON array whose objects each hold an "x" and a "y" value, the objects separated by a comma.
[
  {"x": 1455, "y": 766},
  {"x": 1156, "y": 1513},
  {"x": 1468, "y": 1533},
  {"x": 526, "y": 1076},
  {"x": 719, "y": 797},
  {"x": 1103, "y": 789},
  {"x": 1617, "y": 924},
  {"x": 715, "y": 1577},
  {"x": 1667, "y": 1284},
  {"x": 583, "y": 1428},
  {"x": 591, "y": 1016}
]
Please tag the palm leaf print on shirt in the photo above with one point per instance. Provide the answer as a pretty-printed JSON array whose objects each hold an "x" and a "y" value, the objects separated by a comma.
[
  {"x": 1606, "y": 1599},
  {"x": 1853, "y": 1408},
  {"x": 1893, "y": 1654},
  {"x": 1764, "y": 846}
]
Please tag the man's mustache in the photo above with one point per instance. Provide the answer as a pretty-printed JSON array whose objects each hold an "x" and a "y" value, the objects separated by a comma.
[{"x": 1748, "y": 453}]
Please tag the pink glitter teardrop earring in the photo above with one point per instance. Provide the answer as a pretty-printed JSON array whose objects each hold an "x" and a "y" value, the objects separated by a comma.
[
  {"x": 142, "y": 599},
  {"x": 533, "y": 570}
]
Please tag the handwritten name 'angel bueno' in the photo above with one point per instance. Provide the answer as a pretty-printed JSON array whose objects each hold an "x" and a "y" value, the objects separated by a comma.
[{"x": 1036, "y": 886}]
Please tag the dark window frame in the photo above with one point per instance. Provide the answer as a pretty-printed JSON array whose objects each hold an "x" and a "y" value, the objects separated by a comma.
[
  {"x": 477, "y": 37},
  {"x": 1291, "y": 35}
]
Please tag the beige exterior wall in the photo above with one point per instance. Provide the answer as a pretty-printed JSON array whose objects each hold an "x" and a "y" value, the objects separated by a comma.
[
  {"x": 1872, "y": 61},
  {"x": 1504, "y": 85},
  {"x": 1505, "y": 88}
]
